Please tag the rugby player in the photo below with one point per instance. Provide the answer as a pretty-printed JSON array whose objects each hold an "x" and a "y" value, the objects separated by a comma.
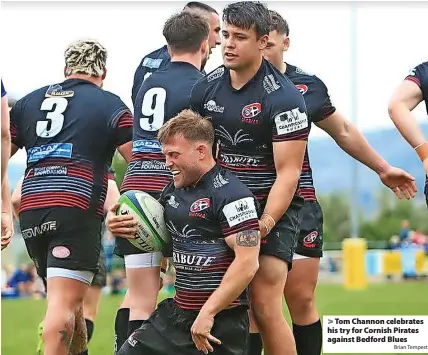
[
  {"x": 212, "y": 219},
  {"x": 6, "y": 216},
  {"x": 160, "y": 58},
  {"x": 411, "y": 92},
  {"x": 65, "y": 183},
  {"x": 93, "y": 296},
  {"x": 299, "y": 290},
  {"x": 261, "y": 128},
  {"x": 162, "y": 96}
]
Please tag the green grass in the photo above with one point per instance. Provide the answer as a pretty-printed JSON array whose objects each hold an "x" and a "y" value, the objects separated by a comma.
[{"x": 21, "y": 317}]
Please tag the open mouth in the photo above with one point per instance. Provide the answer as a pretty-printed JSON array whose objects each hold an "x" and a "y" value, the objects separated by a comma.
[
  {"x": 175, "y": 172},
  {"x": 229, "y": 55}
]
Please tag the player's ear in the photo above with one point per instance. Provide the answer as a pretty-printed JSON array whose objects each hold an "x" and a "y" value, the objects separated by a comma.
[
  {"x": 202, "y": 150},
  {"x": 263, "y": 40},
  {"x": 65, "y": 71},
  {"x": 286, "y": 44},
  {"x": 104, "y": 74}
]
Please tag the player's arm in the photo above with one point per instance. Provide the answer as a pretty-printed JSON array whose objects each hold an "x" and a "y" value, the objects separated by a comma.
[
  {"x": 122, "y": 122},
  {"x": 6, "y": 214},
  {"x": 246, "y": 246},
  {"x": 405, "y": 98},
  {"x": 113, "y": 194},
  {"x": 352, "y": 141},
  {"x": 5, "y": 134},
  {"x": 290, "y": 134}
]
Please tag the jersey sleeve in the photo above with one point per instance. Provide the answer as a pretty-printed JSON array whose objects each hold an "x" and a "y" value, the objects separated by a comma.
[
  {"x": 288, "y": 115},
  {"x": 324, "y": 107},
  {"x": 15, "y": 134},
  {"x": 419, "y": 75},
  {"x": 237, "y": 210},
  {"x": 121, "y": 123},
  {"x": 3, "y": 90},
  {"x": 111, "y": 173}
]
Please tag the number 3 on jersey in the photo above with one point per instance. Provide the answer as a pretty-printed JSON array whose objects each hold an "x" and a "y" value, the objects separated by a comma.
[
  {"x": 153, "y": 109},
  {"x": 55, "y": 107}
]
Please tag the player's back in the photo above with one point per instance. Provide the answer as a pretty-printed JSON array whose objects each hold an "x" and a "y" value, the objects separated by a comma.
[
  {"x": 162, "y": 96},
  {"x": 70, "y": 131},
  {"x": 156, "y": 60}
]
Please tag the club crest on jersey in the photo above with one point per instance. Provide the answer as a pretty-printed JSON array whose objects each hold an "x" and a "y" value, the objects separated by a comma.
[
  {"x": 302, "y": 88},
  {"x": 251, "y": 111},
  {"x": 200, "y": 205}
]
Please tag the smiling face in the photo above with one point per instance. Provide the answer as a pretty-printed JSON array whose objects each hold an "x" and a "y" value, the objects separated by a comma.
[{"x": 183, "y": 158}]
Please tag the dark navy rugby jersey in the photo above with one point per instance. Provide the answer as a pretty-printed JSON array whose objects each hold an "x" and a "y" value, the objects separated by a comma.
[
  {"x": 70, "y": 132},
  {"x": 247, "y": 121},
  {"x": 3, "y": 90},
  {"x": 319, "y": 107},
  {"x": 198, "y": 219},
  {"x": 157, "y": 60},
  {"x": 419, "y": 75},
  {"x": 162, "y": 96}
]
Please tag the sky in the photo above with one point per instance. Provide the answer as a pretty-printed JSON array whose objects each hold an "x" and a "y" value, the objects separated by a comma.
[{"x": 391, "y": 39}]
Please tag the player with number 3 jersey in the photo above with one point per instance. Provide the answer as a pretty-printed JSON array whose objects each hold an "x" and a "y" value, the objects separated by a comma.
[{"x": 70, "y": 131}]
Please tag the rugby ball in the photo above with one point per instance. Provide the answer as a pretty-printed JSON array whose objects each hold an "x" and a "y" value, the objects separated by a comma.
[{"x": 152, "y": 234}]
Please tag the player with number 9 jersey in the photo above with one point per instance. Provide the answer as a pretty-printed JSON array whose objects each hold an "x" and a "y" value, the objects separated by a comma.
[
  {"x": 70, "y": 131},
  {"x": 163, "y": 95}
]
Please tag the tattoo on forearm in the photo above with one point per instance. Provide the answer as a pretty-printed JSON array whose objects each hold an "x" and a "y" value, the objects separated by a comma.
[{"x": 247, "y": 238}]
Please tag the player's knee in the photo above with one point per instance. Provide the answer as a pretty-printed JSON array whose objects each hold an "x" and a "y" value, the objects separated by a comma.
[{"x": 300, "y": 300}]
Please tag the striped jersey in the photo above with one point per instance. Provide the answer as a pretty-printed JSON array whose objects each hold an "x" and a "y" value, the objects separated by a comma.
[
  {"x": 70, "y": 131},
  {"x": 319, "y": 107},
  {"x": 3, "y": 90},
  {"x": 247, "y": 122},
  {"x": 198, "y": 219},
  {"x": 162, "y": 96}
]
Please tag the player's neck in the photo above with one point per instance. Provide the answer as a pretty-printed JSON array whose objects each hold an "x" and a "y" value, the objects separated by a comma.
[
  {"x": 93, "y": 79},
  {"x": 194, "y": 59},
  {"x": 238, "y": 78},
  {"x": 206, "y": 166}
]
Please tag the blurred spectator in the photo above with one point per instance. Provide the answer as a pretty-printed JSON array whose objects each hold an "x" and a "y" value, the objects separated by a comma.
[
  {"x": 394, "y": 243},
  {"x": 404, "y": 231},
  {"x": 21, "y": 281}
]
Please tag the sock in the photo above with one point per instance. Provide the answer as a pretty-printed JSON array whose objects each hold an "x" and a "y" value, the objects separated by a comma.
[
  {"x": 120, "y": 328},
  {"x": 89, "y": 328},
  {"x": 84, "y": 353},
  {"x": 304, "y": 332},
  {"x": 133, "y": 325},
  {"x": 255, "y": 344}
]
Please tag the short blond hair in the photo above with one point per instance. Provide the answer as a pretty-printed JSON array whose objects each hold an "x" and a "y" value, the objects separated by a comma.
[
  {"x": 85, "y": 57},
  {"x": 192, "y": 126}
]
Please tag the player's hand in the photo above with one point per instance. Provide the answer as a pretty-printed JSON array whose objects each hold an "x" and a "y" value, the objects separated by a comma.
[
  {"x": 262, "y": 229},
  {"x": 400, "y": 182},
  {"x": 201, "y": 333},
  {"x": 6, "y": 229},
  {"x": 124, "y": 226}
]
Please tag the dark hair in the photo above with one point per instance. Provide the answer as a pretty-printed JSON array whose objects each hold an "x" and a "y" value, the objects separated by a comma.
[
  {"x": 184, "y": 32},
  {"x": 199, "y": 6},
  {"x": 247, "y": 15},
  {"x": 192, "y": 126},
  {"x": 278, "y": 23}
]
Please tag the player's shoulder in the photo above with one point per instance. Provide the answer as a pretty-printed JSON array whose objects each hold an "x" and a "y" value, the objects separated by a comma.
[
  {"x": 301, "y": 77},
  {"x": 33, "y": 98},
  {"x": 156, "y": 59},
  {"x": 212, "y": 78},
  {"x": 226, "y": 186},
  {"x": 420, "y": 70},
  {"x": 276, "y": 85}
]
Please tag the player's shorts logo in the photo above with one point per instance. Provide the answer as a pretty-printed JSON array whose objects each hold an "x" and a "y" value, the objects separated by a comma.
[
  {"x": 302, "y": 88},
  {"x": 60, "y": 252},
  {"x": 309, "y": 240},
  {"x": 200, "y": 205}
]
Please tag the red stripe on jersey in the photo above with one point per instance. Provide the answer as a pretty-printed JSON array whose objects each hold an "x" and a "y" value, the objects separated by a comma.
[
  {"x": 245, "y": 226},
  {"x": 50, "y": 199},
  {"x": 414, "y": 79},
  {"x": 126, "y": 120}
]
